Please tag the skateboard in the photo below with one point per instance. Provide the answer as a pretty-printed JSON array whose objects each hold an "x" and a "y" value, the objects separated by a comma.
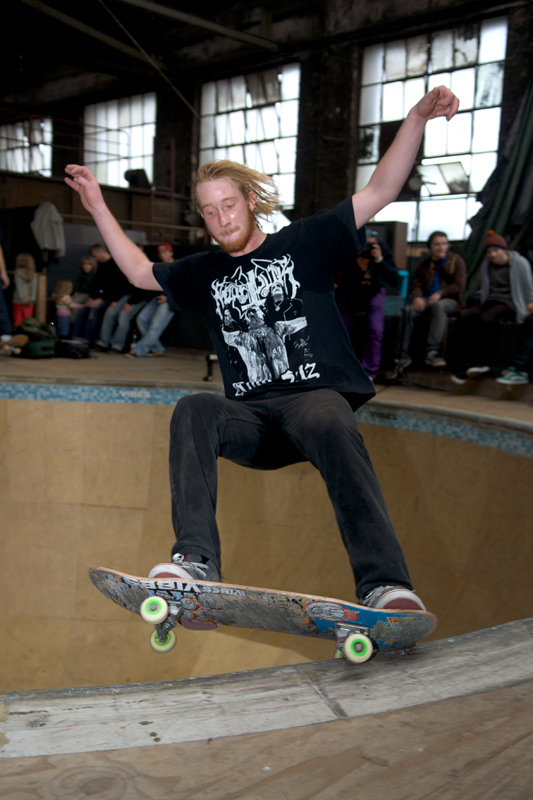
[{"x": 359, "y": 632}]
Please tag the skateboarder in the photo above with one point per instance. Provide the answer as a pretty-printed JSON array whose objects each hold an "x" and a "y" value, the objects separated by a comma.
[{"x": 290, "y": 406}]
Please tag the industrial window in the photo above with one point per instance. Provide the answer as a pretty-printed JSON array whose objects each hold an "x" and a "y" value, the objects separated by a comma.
[
  {"x": 456, "y": 157},
  {"x": 253, "y": 119},
  {"x": 27, "y": 146},
  {"x": 118, "y": 136}
]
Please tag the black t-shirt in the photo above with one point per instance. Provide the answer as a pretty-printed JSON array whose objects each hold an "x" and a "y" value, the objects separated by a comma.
[{"x": 272, "y": 314}]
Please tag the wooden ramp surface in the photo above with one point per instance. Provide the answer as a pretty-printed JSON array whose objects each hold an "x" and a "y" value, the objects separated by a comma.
[
  {"x": 77, "y": 489},
  {"x": 451, "y": 720}
]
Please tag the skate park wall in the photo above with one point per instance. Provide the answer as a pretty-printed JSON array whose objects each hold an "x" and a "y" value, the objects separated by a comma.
[{"x": 84, "y": 482}]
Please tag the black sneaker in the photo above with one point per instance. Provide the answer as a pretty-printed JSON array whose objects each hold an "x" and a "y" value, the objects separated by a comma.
[{"x": 401, "y": 365}]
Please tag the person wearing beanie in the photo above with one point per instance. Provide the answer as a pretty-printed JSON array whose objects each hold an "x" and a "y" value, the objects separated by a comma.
[
  {"x": 495, "y": 240},
  {"x": 506, "y": 296}
]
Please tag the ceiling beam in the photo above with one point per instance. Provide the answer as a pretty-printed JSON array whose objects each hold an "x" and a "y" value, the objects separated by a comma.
[
  {"x": 200, "y": 22},
  {"x": 80, "y": 26}
]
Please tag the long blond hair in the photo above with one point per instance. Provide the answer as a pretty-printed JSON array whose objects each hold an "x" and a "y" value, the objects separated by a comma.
[
  {"x": 26, "y": 262},
  {"x": 246, "y": 179}
]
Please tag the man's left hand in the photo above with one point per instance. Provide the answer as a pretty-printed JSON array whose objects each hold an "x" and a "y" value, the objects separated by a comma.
[{"x": 439, "y": 102}]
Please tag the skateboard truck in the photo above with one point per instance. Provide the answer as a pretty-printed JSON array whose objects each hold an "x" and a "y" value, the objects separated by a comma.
[
  {"x": 354, "y": 642},
  {"x": 156, "y": 611}
]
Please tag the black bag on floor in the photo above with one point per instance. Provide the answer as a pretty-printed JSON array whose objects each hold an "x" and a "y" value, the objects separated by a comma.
[
  {"x": 44, "y": 348},
  {"x": 72, "y": 348}
]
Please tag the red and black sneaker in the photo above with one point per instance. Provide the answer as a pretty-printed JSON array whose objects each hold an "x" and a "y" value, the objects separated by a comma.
[
  {"x": 186, "y": 567},
  {"x": 393, "y": 597}
]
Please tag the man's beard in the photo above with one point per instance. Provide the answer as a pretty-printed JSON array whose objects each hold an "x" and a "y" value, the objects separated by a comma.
[{"x": 238, "y": 244}]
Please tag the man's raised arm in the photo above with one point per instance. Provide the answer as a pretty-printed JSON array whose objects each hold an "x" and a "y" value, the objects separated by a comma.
[
  {"x": 395, "y": 166},
  {"x": 135, "y": 265}
]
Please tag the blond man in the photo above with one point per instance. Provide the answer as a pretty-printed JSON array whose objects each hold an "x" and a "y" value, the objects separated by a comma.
[{"x": 296, "y": 403}]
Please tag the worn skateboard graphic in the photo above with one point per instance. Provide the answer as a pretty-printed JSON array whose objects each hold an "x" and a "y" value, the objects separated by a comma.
[{"x": 359, "y": 632}]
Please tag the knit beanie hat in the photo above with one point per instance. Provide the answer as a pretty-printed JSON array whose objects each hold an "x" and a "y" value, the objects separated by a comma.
[
  {"x": 494, "y": 240},
  {"x": 165, "y": 246}
]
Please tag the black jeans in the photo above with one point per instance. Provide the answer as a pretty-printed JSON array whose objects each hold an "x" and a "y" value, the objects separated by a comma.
[
  {"x": 317, "y": 426},
  {"x": 524, "y": 357},
  {"x": 477, "y": 329},
  {"x": 6, "y": 327}
]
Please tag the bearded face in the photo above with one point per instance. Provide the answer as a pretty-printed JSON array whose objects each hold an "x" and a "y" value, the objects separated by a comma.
[
  {"x": 236, "y": 238},
  {"x": 228, "y": 215}
]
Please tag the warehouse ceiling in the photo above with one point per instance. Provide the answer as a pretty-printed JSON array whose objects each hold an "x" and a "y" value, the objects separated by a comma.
[{"x": 55, "y": 49}]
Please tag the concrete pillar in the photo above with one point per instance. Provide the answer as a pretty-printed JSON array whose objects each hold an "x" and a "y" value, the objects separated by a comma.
[{"x": 327, "y": 140}]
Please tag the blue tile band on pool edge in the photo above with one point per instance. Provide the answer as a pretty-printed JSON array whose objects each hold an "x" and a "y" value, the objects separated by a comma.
[{"x": 513, "y": 437}]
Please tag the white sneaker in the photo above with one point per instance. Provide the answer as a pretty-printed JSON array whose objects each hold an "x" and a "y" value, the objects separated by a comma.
[
  {"x": 477, "y": 370},
  {"x": 434, "y": 360}
]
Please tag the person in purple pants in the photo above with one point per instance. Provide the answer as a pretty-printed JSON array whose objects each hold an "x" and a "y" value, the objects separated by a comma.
[{"x": 362, "y": 291}]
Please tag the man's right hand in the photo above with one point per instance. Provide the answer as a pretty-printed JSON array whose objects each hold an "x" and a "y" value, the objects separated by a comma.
[
  {"x": 83, "y": 181},
  {"x": 132, "y": 261}
]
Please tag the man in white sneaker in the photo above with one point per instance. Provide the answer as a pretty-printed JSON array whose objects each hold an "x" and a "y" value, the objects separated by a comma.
[{"x": 506, "y": 293}]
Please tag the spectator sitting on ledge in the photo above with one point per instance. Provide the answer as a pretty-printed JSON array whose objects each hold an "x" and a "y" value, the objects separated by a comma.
[{"x": 506, "y": 293}]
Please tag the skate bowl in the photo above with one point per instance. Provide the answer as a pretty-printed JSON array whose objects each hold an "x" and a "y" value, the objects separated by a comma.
[
  {"x": 450, "y": 719},
  {"x": 84, "y": 483}
]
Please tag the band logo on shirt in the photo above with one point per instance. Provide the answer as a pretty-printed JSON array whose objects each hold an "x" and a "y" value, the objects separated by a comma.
[{"x": 263, "y": 324}]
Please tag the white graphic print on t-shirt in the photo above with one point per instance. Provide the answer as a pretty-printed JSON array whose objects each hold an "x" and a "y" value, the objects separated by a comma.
[{"x": 263, "y": 324}]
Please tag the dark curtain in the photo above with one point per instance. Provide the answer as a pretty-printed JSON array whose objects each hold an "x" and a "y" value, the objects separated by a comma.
[{"x": 507, "y": 196}]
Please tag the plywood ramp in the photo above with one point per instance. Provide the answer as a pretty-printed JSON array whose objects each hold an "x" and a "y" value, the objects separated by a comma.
[
  {"x": 85, "y": 484},
  {"x": 452, "y": 719}
]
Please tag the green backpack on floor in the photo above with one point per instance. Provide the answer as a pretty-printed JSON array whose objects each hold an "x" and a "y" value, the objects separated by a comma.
[{"x": 42, "y": 339}]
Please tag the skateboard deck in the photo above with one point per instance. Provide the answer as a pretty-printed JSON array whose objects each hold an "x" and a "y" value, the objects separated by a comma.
[{"x": 265, "y": 609}]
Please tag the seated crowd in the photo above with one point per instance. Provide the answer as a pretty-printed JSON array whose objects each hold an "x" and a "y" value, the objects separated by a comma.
[
  {"x": 438, "y": 293},
  {"x": 100, "y": 306}
]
